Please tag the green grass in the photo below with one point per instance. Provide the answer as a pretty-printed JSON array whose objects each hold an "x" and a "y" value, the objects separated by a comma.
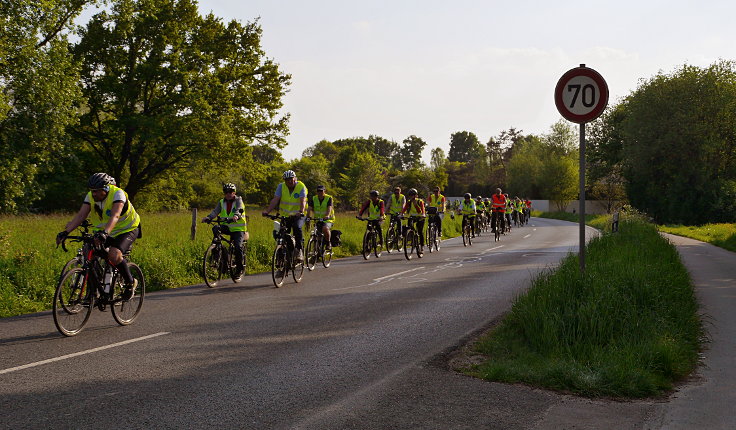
[
  {"x": 628, "y": 328},
  {"x": 722, "y": 235},
  {"x": 30, "y": 262}
]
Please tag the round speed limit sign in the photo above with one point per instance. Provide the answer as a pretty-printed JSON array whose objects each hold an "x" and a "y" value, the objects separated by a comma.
[{"x": 581, "y": 94}]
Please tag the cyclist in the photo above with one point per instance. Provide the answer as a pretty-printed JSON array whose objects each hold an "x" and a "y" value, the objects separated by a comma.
[
  {"x": 291, "y": 198},
  {"x": 479, "y": 209},
  {"x": 437, "y": 200},
  {"x": 118, "y": 225},
  {"x": 415, "y": 206},
  {"x": 509, "y": 210},
  {"x": 467, "y": 210},
  {"x": 498, "y": 205},
  {"x": 396, "y": 202},
  {"x": 231, "y": 206},
  {"x": 376, "y": 210},
  {"x": 322, "y": 206},
  {"x": 528, "y": 209}
]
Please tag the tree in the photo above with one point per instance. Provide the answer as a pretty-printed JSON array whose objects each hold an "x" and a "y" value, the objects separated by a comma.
[
  {"x": 411, "y": 152},
  {"x": 465, "y": 147},
  {"x": 38, "y": 89},
  {"x": 165, "y": 87},
  {"x": 362, "y": 174},
  {"x": 676, "y": 138},
  {"x": 438, "y": 159}
]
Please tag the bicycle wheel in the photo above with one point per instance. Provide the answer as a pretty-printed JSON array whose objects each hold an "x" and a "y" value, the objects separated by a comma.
[
  {"x": 390, "y": 238},
  {"x": 71, "y": 308},
  {"x": 297, "y": 268},
  {"x": 499, "y": 227},
  {"x": 212, "y": 264},
  {"x": 126, "y": 311},
  {"x": 431, "y": 236},
  {"x": 377, "y": 248},
  {"x": 409, "y": 245},
  {"x": 278, "y": 265},
  {"x": 312, "y": 254},
  {"x": 326, "y": 254},
  {"x": 466, "y": 235},
  {"x": 75, "y": 262},
  {"x": 367, "y": 244}
]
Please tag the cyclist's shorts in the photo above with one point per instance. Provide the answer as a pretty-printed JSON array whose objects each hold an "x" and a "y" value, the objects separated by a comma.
[
  {"x": 123, "y": 242},
  {"x": 328, "y": 224}
]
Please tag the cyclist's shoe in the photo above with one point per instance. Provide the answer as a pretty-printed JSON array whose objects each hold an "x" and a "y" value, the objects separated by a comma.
[
  {"x": 299, "y": 256},
  {"x": 421, "y": 250},
  {"x": 129, "y": 290}
]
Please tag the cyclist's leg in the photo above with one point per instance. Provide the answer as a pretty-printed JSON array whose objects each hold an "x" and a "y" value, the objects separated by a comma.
[
  {"x": 326, "y": 232},
  {"x": 119, "y": 246},
  {"x": 236, "y": 237},
  {"x": 379, "y": 230},
  {"x": 420, "y": 230}
]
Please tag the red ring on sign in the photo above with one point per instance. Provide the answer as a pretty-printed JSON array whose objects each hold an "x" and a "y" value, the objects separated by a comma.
[{"x": 599, "y": 107}]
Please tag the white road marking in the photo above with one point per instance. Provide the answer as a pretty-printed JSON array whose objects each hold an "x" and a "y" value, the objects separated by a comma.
[
  {"x": 378, "y": 280},
  {"x": 527, "y": 235},
  {"x": 77, "y": 354}
]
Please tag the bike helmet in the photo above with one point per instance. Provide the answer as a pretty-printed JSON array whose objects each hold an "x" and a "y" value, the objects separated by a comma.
[
  {"x": 467, "y": 195},
  {"x": 228, "y": 187},
  {"x": 100, "y": 181},
  {"x": 289, "y": 174},
  {"x": 479, "y": 198},
  {"x": 411, "y": 192},
  {"x": 374, "y": 193},
  {"x": 320, "y": 188}
]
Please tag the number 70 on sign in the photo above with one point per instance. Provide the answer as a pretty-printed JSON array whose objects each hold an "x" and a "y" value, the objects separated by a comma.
[{"x": 581, "y": 95}]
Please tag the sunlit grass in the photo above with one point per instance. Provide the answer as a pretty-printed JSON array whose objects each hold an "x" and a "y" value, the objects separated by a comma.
[
  {"x": 627, "y": 328},
  {"x": 722, "y": 235},
  {"x": 30, "y": 262}
]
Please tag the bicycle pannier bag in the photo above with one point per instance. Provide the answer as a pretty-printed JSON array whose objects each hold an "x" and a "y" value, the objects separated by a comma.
[{"x": 335, "y": 238}]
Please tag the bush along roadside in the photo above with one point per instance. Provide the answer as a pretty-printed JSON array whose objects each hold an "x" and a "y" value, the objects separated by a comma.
[{"x": 627, "y": 328}]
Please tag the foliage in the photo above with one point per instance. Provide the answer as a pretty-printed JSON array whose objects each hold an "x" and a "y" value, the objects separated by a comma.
[
  {"x": 465, "y": 147},
  {"x": 628, "y": 327},
  {"x": 165, "y": 87},
  {"x": 38, "y": 78},
  {"x": 675, "y": 137}
]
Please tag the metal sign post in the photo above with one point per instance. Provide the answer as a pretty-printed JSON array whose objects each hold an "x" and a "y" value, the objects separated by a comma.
[{"x": 581, "y": 95}]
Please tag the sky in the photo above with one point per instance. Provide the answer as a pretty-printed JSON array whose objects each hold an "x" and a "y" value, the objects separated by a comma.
[{"x": 431, "y": 68}]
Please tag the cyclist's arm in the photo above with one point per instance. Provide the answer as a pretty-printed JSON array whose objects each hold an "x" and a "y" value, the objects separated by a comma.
[
  {"x": 78, "y": 217},
  {"x": 330, "y": 209},
  {"x": 274, "y": 202},
  {"x": 363, "y": 208},
  {"x": 214, "y": 213},
  {"x": 382, "y": 209},
  {"x": 303, "y": 204},
  {"x": 238, "y": 208}
]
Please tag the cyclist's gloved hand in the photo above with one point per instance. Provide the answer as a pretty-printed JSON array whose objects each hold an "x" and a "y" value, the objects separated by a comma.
[
  {"x": 61, "y": 236},
  {"x": 101, "y": 236}
]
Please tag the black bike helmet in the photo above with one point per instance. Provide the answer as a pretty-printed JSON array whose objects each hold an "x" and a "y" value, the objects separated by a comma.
[
  {"x": 374, "y": 193},
  {"x": 99, "y": 181},
  {"x": 411, "y": 192},
  {"x": 228, "y": 187}
]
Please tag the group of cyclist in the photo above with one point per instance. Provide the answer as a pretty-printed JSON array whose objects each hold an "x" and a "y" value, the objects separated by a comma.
[{"x": 117, "y": 224}]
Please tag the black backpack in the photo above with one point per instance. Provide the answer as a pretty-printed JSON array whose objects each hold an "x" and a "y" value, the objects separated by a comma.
[{"x": 335, "y": 238}]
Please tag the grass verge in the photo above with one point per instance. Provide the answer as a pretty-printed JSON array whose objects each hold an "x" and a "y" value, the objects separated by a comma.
[
  {"x": 722, "y": 235},
  {"x": 627, "y": 328}
]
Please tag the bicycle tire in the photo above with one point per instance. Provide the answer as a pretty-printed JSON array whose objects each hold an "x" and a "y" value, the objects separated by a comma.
[
  {"x": 278, "y": 266},
  {"x": 312, "y": 253},
  {"x": 126, "y": 311},
  {"x": 326, "y": 254},
  {"x": 409, "y": 246},
  {"x": 377, "y": 250},
  {"x": 465, "y": 235},
  {"x": 70, "y": 311},
  {"x": 71, "y": 264},
  {"x": 390, "y": 238},
  {"x": 297, "y": 268},
  {"x": 212, "y": 265},
  {"x": 431, "y": 236},
  {"x": 367, "y": 244}
]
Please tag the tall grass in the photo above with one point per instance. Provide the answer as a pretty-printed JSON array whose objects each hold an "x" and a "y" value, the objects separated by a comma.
[
  {"x": 628, "y": 327},
  {"x": 30, "y": 262},
  {"x": 722, "y": 235}
]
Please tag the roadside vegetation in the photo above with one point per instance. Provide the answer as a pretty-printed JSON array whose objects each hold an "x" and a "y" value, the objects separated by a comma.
[
  {"x": 627, "y": 328},
  {"x": 30, "y": 262},
  {"x": 722, "y": 235}
]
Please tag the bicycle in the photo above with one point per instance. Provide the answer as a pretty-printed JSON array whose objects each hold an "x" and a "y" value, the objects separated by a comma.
[
  {"x": 467, "y": 229},
  {"x": 316, "y": 249},
  {"x": 97, "y": 283},
  {"x": 370, "y": 238},
  {"x": 394, "y": 238},
  {"x": 219, "y": 260},
  {"x": 498, "y": 229},
  {"x": 433, "y": 232},
  {"x": 284, "y": 256},
  {"x": 77, "y": 260},
  {"x": 411, "y": 238}
]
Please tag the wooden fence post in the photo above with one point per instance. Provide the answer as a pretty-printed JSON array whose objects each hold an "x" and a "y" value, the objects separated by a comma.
[{"x": 194, "y": 223}]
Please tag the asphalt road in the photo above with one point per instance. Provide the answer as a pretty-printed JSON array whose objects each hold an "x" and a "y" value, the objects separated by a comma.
[{"x": 358, "y": 345}]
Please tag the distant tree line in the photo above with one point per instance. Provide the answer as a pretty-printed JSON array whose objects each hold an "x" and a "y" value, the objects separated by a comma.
[{"x": 172, "y": 103}]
